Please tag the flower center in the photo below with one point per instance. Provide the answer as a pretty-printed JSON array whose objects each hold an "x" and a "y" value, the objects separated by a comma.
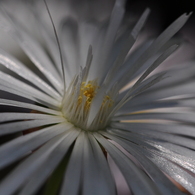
[{"x": 77, "y": 103}]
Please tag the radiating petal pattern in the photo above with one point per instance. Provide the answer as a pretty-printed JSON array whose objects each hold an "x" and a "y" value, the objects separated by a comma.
[{"x": 89, "y": 93}]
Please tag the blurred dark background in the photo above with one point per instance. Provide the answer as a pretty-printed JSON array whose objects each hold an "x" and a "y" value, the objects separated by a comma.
[
  {"x": 168, "y": 10},
  {"x": 164, "y": 12}
]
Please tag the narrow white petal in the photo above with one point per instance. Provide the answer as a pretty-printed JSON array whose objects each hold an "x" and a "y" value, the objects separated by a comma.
[
  {"x": 32, "y": 48},
  {"x": 115, "y": 21},
  {"x": 69, "y": 40},
  {"x": 181, "y": 156},
  {"x": 13, "y": 64},
  {"x": 165, "y": 185},
  {"x": 19, "y": 175},
  {"x": 105, "y": 178},
  {"x": 88, "y": 33},
  {"x": 153, "y": 135},
  {"x": 21, "y": 87},
  {"x": 179, "y": 129},
  {"x": 95, "y": 105},
  {"x": 151, "y": 81},
  {"x": 156, "y": 45},
  {"x": 135, "y": 177},
  {"x": 74, "y": 169},
  {"x": 14, "y": 91},
  {"x": 140, "y": 23},
  {"x": 174, "y": 171},
  {"x": 180, "y": 117},
  {"x": 29, "y": 106},
  {"x": 14, "y": 150},
  {"x": 49, "y": 40},
  {"x": 88, "y": 63},
  {"x": 130, "y": 60},
  {"x": 127, "y": 46},
  {"x": 128, "y": 108},
  {"x": 166, "y": 92},
  {"x": 24, "y": 125},
  {"x": 93, "y": 175},
  {"x": 42, "y": 173},
  {"x": 11, "y": 116},
  {"x": 156, "y": 64}
]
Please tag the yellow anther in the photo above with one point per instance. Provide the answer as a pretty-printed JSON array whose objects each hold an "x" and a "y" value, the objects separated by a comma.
[{"x": 89, "y": 90}]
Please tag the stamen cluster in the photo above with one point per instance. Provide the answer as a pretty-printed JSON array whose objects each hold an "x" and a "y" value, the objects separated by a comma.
[{"x": 77, "y": 104}]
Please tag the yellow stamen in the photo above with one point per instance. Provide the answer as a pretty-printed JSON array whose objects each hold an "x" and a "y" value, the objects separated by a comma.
[
  {"x": 89, "y": 90},
  {"x": 76, "y": 110}
]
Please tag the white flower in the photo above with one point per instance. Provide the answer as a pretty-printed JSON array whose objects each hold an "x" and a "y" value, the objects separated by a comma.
[{"x": 102, "y": 100}]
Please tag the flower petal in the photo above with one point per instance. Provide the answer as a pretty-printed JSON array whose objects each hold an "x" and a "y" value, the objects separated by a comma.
[
  {"x": 174, "y": 171},
  {"x": 23, "y": 171},
  {"x": 29, "y": 106},
  {"x": 150, "y": 135},
  {"x": 33, "y": 49},
  {"x": 12, "y": 116},
  {"x": 140, "y": 184},
  {"x": 52, "y": 160},
  {"x": 74, "y": 169},
  {"x": 12, "y": 85},
  {"x": 13, "y": 64},
  {"x": 93, "y": 175},
  {"x": 156, "y": 45},
  {"x": 24, "y": 125},
  {"x": 154, "y": 172},
  {"x": 14, "y": 150}
]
